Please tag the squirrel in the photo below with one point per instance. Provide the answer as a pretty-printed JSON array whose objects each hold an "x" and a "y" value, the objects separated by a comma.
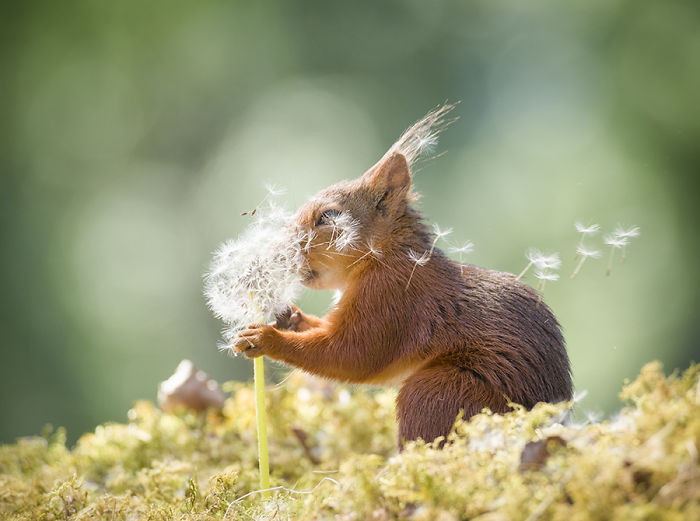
[{"x": 455, "y": 337}]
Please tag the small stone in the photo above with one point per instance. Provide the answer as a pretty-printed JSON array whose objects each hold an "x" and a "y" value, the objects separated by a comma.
[{"x": 191, "y": 389}]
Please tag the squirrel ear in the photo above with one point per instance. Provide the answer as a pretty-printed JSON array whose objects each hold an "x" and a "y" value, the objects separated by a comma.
[{"x": 390, "y": 174}]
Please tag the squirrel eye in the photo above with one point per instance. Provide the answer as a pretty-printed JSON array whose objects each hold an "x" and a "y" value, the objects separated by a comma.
[{"x": 327, "y": 217}]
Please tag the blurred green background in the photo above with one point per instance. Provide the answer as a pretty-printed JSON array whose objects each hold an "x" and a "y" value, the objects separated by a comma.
[{"x": 133, "y": 134}]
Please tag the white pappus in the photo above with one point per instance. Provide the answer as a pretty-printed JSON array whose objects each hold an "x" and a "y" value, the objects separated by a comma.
[{"x": 258, "y": 275}]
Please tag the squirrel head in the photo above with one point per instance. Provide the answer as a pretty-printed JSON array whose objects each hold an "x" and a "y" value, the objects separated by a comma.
[{"x": 352, "y": 222}]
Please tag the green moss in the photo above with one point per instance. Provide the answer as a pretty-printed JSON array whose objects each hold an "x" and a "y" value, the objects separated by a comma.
[{"x": 642, "y": 464}]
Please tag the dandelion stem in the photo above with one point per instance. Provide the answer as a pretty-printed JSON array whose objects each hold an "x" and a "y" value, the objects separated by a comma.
[
  {"x": 578, "y": 266},
  {"x": 260, "y": 417},
  {"x": 263, "y": 462},
  {"x": 522, "y": 273}
]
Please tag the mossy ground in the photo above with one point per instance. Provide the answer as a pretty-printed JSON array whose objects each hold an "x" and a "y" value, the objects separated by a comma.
[{"x": 642, "y": 464}]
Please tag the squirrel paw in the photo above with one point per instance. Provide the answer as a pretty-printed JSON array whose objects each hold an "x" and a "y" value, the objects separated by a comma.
[
  {"x": 293, "y": 319},
  {"x": 255, "y": 340}
]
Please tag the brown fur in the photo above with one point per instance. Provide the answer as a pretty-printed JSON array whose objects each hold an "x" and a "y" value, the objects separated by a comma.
[{"x": 457, "y": 337}]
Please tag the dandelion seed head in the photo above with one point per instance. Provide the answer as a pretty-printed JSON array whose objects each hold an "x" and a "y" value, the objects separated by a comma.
[
  {"x": 419, "y": 259},
  {"x": 587, "y": 230},
  {"x": 257, "y": 275},
  {"x": 629, "y": 233},
  {"x": 615, "y": 241},
  {"x": 587, "y": 252},
  {"x": 467, "y": 247}
]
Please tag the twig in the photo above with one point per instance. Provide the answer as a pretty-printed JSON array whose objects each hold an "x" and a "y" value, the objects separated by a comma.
[{"x": 289, "y": 490}]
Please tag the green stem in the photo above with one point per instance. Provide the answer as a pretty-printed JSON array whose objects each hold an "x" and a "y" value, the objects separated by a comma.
[
  {"x": 263, "y": 462},
  {"x": 261, "y": 420}
]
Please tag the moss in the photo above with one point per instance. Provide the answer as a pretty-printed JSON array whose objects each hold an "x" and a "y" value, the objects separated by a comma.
[{"x": 340, "y": 445}]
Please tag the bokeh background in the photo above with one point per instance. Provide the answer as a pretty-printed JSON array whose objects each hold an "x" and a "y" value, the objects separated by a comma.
[{"x": 133, "y": 135}]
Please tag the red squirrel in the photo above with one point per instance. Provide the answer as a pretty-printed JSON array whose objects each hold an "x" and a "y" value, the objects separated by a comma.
[{"x": 454, "y": 336}]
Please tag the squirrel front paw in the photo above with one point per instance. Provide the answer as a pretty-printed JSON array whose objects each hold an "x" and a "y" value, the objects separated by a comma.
[
  {"x": 293, "y": 319},
  {"x": 255, "y": 340}
]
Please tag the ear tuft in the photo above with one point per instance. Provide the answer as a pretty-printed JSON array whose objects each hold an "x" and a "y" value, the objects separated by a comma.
[{"x": 390, "y": 174}]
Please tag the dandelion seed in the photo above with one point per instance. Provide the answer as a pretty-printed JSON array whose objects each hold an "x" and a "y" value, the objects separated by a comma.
[
  {"x": 439, "y": 234},
  {"x": 420, "y": 261},
  {"x": 372, "y": 250},
  {"x": 417, "y": 261},
  {"x": 584, "y": 253},
  {"x": 579, "y": 396},
  {"x": 587, "y": 230},
  {"x": 629, "y": 233},
  {"x": 615, "y": 242},
  {"x": 591, "y": 229},
  {"x": 272, "y": 191},
  {"x": 552, "y": 262},
  {"x": 467, "y": 247},
  {"x": 544, "y": 276},
  {"x": 532, "y": 255},
  {"x": 345, "y": 231},
  {"x": 541, "y": 261},
  {"x": 594, "y": 416}
]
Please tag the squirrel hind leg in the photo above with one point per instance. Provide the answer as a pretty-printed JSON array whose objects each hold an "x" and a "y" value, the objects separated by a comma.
[{"x": 430, "y": 400}]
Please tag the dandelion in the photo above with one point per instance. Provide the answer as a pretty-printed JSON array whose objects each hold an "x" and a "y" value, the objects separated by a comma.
[
  {"x": 615, "y": 243},
  {"x": 418, "y": 260},
  {"x": 467, "y": 247},
  {"x": 591, "y": 229},
  {"x": 584, "y": 253},
  {"x": 252, "y": 279},
  {"x": 629, "y": 233}
]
